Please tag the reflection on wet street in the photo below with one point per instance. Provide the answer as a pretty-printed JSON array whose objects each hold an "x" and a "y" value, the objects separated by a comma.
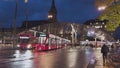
[{"x": 61, "y": 58}]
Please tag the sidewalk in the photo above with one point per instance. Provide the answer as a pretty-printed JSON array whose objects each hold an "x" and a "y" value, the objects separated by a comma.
[
  {"x": 6, "y": 46},
  {"x": 98, "y": 57}
]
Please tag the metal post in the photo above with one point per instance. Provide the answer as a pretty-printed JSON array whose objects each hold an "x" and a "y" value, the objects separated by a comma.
[
  {"x": 26, "y": 11},
  {"x": 95, "y": 41},
  {"x": 14, "y": 31}
]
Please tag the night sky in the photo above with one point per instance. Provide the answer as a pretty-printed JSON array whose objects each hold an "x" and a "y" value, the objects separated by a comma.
[{"x": 77, "y": 11}]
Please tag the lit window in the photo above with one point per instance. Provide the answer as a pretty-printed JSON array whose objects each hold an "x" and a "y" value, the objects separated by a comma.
[
  {"x": 50, "y": 16},
  {"x": 96, "y": 22},
  {"x": 97, "y": 26},
  {"x": 103, "y": 23},
  {"x": 105, "y": 26},
  {"x": 87, "y": 26}
]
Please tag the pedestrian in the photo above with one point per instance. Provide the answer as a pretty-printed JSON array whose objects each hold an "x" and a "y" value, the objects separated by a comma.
[
  {"x": 104, "y": 51},
  {"x": 112, "y": 46}
]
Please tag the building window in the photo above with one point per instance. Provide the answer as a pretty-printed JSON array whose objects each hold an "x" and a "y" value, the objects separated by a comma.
[
  {"x": 97, "y": 26},
  {"x": 103, "y": 23},
  {"x": 90, "y": 23},
  {"x": 34, "y": 28},
  {"x": 96, "y": 22},
  {"x": 105, "y": 26},
  {"x": 87, "y": 26}
]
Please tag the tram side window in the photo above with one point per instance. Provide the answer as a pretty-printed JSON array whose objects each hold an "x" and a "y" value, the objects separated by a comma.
[
  {"x": 63, "y": 41},
  {"x": 42, "y": 40},
  {"x": 57, "y": 41},
  {"x": 37, "y": 34},
  {"x": 53, "y": 41},
  {"x": 49, "y": 41}
]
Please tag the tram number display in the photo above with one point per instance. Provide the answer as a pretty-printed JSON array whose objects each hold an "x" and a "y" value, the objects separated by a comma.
[{"x": 42, "y": 35}]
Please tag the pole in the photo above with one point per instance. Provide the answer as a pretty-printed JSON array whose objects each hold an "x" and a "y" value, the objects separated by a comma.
[
  {"x": 95, "y": 42},
  {"x": 73, "y": 36},
  {"x": 26, "y": 11},
  {"x": 26, "y": 18},
  {"x": 15, "y": 17}
]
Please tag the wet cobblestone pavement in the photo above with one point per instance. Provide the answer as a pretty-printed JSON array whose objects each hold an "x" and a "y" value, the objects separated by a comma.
[{"x": 76, "y": 57}]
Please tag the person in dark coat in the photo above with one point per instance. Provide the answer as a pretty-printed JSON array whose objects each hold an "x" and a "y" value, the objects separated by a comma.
[{"x": 104, "y": 51}]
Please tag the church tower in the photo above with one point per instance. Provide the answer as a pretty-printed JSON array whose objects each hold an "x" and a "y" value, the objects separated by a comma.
[{"x": 52, "y": 13}]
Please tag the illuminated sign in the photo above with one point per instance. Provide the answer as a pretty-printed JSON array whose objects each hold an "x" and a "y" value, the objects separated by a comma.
[
  {"x": 42, "y": 35},
  {"x": 24, "y": 37}
]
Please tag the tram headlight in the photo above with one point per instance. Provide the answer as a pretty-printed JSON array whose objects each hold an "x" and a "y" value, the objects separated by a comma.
[
  {"x": 29, "y": 46},
  {"x": 18, "y": 45}
]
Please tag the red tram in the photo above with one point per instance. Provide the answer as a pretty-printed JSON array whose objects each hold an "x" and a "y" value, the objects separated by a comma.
[
  {"x": 50, "y": 41},
  {"x": 26, "y": 41},
  {"x": 41, "y": 41}
]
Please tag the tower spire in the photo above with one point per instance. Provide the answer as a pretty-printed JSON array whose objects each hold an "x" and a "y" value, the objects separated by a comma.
[{"x": 52, "y": 12}]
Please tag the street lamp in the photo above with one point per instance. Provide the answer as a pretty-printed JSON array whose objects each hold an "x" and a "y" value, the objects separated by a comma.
[
  {"x": 14, "y": 31},
  {"x": 102, "y": 8},
  {"x": 15, "y": 18},
  {"x": 26, "y": 2}
]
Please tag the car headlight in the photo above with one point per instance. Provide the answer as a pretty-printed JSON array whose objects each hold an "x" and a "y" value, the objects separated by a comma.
[{"x": 29, "y": 46}]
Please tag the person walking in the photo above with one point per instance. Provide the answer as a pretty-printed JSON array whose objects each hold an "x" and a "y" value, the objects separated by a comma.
[
  {"x": 104, "y": 51},
  {"x": 112, "y": 47}
]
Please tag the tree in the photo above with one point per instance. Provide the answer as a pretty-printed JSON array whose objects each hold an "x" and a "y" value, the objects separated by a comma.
[
  {"x": 112, "y": 14},
  {"x": 99, "y": 3}
]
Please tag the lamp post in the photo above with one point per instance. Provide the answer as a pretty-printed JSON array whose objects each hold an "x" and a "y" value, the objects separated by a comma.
[
  {"x": 26, "y": 2},
  {"x": 15, "y": 18}
]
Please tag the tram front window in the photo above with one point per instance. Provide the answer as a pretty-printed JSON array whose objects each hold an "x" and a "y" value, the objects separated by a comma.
[{"x": 24, "y": 40}]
